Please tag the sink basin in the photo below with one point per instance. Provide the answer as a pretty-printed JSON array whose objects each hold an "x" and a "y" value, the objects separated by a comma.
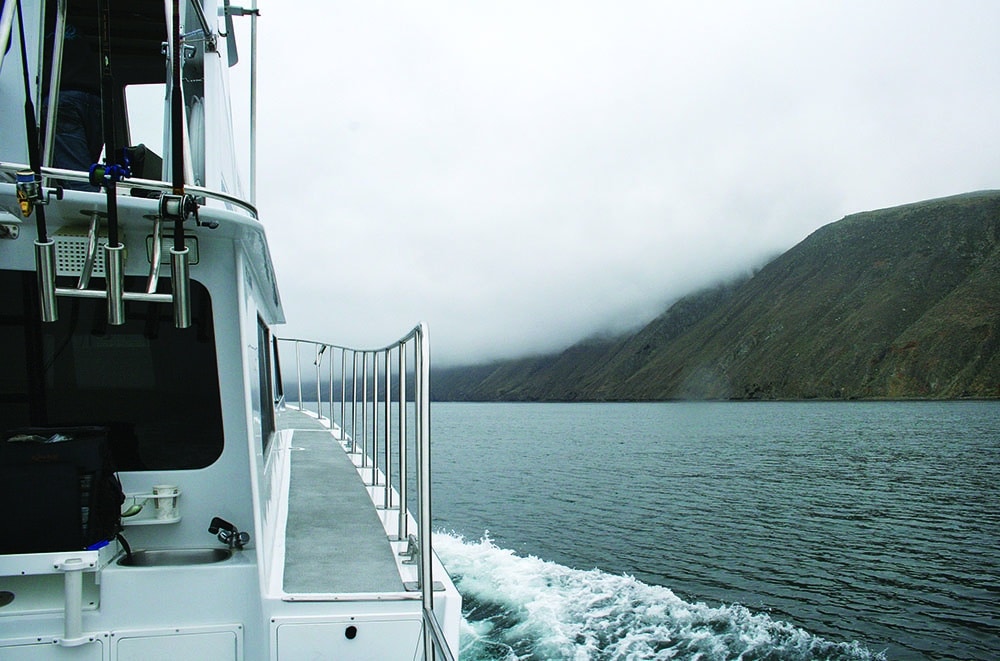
[{"x": 174, "y": 557}]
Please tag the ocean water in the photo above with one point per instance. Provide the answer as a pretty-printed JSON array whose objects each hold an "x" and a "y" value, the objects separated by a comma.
[{"x": 722, "y": 530}]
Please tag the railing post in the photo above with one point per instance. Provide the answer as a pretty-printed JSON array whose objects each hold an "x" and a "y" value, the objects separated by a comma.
[
  {"x": 387, "y": 498},
  {"x": 375, "y": 418},
  {"x": 401, "y": 453},
  {"x": 364, "y": 409},
  {"x": 332, "y": 349},
  {"x": 343, "y": 393},
  {"x": 298, "y": 372},
  {"x": 354, "y": 403},
  {"x": 320, "y": 350},
  {"x": 423, "y": 476}
]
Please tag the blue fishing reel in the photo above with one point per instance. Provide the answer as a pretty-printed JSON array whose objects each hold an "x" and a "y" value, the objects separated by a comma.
[{"x": 103, "y": 174}]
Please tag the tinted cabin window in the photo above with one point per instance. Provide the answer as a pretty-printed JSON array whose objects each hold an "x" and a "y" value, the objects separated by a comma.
[
  {"x": 266, "y": 390},
  {"x": 155, "y": 387}
]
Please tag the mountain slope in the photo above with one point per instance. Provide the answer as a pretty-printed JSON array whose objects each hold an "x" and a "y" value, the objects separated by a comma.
[{"x": 895, "y": 303}]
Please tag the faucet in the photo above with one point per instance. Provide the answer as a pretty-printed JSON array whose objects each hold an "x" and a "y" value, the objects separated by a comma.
[{"x": 228, "y": 534}]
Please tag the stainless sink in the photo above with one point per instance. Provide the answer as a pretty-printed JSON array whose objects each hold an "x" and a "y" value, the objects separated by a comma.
[{"x": 175, "y": 557}]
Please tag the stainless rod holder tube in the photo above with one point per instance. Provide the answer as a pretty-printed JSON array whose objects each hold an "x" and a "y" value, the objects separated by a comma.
[
  {"x": 114, "y": 265},
  {"x": 45, "y": 271},
  {"x": 180, "y": 283}
]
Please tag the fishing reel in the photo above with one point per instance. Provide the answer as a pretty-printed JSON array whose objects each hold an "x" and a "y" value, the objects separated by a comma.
[
  {"x": 178, "y": 207},
  {"x": 102, "y": 174},
  {"x": 30, "y": 192}
]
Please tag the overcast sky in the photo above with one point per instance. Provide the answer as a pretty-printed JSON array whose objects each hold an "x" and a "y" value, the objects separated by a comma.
[{"x": 521, "y": 175}]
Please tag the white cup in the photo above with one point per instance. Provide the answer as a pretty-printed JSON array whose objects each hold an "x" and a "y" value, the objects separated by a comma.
[{"x": 165, "y": 498}]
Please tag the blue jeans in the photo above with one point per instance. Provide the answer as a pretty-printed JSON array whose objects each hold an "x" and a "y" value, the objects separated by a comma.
[{"x": 79, "y": 138}]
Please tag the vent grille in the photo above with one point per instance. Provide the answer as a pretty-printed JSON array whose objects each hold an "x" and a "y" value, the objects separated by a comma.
[{"x": 71, "y": 252}]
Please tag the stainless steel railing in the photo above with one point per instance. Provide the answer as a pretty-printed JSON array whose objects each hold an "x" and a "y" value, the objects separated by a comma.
[
  {"x": 381, "y": 390},
  {"x": 234, "y": 203}
]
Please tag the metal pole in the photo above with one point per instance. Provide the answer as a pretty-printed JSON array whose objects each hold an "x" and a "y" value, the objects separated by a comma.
[
  {"x": 331, "y": 388},
  {"x": 387, "y": 498},
  {"x": 298, "y": 372},
  {"x": 401, "y": 453},
  {"x": 54, "y": 82},
  {"x": 424, "y": 475},
  {"x": 375, "y": 418},
  {"x": 364, "y": 409},
  {"x": 6, "y": 22},
  {"x": 343, "y": 393},
  {"x": 253, "y": 101},
  {"x": 320, "y": 350},
  {"x": 354, "y": 404}
]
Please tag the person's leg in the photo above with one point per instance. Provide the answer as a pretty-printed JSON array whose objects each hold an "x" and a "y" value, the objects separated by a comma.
[{"x": 77, "y": 132}]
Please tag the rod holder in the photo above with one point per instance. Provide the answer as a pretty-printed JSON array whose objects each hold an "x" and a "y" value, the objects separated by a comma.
[
  {"x": 114, "y": 261},
  {"x": 73, "y": 635},
  {"x": 45, "y": 269},
  {"x": 180, "y": 283}
]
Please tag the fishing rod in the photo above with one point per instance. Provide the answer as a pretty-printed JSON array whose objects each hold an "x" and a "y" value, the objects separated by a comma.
[
  {"x": 178, "y": 206},
  {"x": 30, "y": 195},
  {"x": 108, "y": 174}
]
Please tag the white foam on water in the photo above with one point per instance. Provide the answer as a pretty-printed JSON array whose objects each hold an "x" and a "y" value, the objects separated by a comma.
[{"x": 520, "y": 607}]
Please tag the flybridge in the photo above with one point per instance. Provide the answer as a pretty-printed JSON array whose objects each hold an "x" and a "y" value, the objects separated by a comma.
[{"x": 186, "y": 55}]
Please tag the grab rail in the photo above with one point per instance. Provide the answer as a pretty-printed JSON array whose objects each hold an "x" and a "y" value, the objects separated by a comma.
[
  {"x": 135, "y": 182},
  {"x": 384, "y": 393}
]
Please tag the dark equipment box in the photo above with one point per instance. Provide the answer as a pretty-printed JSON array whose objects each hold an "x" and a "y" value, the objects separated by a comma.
[{"x": 58, "y": 490}]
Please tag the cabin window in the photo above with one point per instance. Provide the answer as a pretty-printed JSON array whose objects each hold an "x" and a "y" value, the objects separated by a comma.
[
  {"x": 155, "y": 387},
  {"x": 266, "y": 384},
  {"x": 144, "y": 105}
]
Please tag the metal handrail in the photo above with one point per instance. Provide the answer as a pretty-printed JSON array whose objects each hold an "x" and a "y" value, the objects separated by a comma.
[
  {"x": 135, "y": 182},
  {"x": 6, "y": 21},
  {"x": 377, "y": 362}
]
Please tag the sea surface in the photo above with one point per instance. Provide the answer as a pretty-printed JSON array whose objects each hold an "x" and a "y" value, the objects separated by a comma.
[{"x": 707, "y": 531}]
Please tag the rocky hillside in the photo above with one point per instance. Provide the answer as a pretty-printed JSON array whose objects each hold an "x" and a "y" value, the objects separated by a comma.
[{"x": 895, "y": 303}]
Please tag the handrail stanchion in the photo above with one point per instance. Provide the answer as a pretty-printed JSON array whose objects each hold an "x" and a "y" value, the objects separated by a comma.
[
  {"x": 320, "y": 350},
  {"x": 375, "y": 418},
  {"x": 343, "y": 393},
  {"x": 354, "y": 403},
  {"x": 423, "y": 475},
  {"x": 387, "y": 497},
  {"x": 401, "y": 455},
  {"x": 332, "y": 361},
  {"x": 364, "y": 409},
  {"x": 298, "y": 372}
]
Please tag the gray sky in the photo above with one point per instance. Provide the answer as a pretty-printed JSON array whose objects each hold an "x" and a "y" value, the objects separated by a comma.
[{"x": 521, "y": 175}]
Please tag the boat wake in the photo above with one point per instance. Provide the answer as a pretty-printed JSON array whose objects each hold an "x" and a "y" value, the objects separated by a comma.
[{"x": 527, "y": 608}]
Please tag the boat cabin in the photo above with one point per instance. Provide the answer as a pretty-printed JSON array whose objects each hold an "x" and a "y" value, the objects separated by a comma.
[{"x": 162, "y": 498}]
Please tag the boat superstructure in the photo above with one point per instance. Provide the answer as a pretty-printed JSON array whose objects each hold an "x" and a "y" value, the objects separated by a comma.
[{"x": 165, "y": 497}]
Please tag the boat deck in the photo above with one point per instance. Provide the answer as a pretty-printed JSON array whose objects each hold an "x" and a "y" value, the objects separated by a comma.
[{"x": 335, "y": 542}]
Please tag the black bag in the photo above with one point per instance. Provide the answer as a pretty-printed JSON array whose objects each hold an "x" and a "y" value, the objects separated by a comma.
[{"x": 58, "y": 490}]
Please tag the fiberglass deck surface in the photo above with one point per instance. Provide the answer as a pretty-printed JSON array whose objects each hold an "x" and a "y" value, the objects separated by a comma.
[{"x": 334, "y": 540}]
